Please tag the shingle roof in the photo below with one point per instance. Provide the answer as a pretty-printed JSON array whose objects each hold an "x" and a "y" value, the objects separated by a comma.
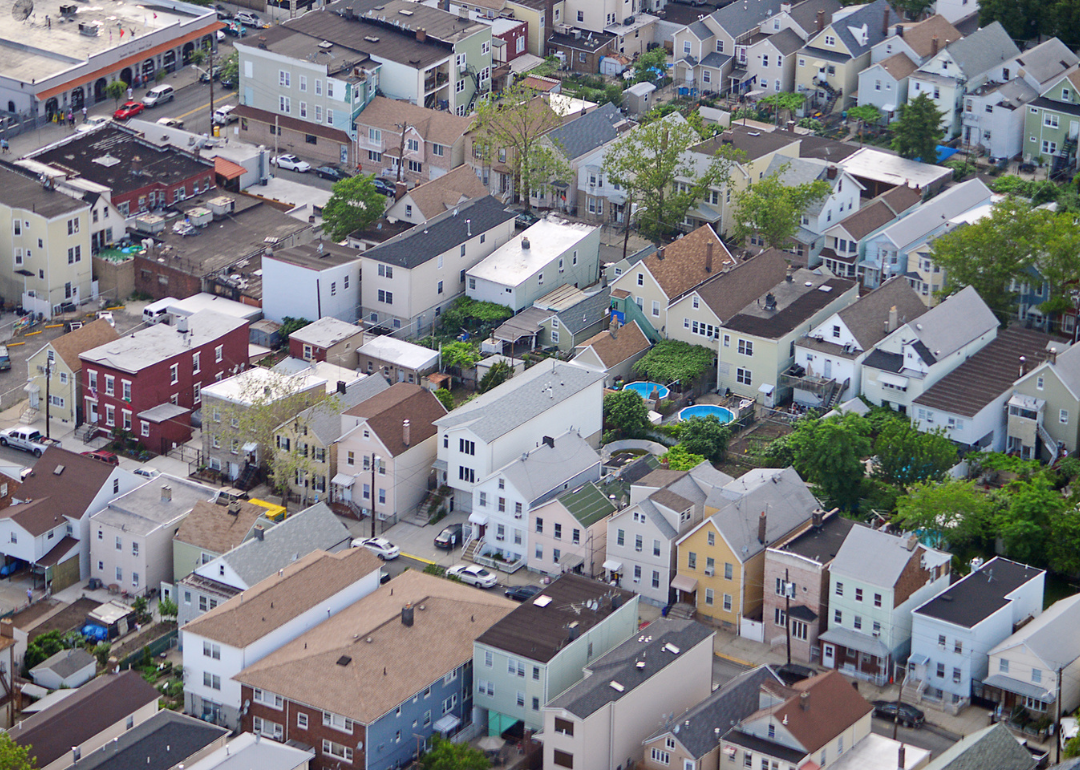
[
  {"x": 877, "y": 558},
  {"x": 614, "y": 347},
  {"x": 786, "y": 41},
  {"x": 729, "y": 292},
  {"x": 587, "y": 312},
  {"x": 796, "y": 303},
  {"x": 861, "y": 30},
  {"x": 159, "y": 743},
  {"x": 977, "y": 53},
  {"x": 449, "y": 190},
  {"x": 920, "y": 37},
  {"x": 1052, "y": 635},
  {"x": 547, "y": 468},
  {"x": 753, "y": 144},
  {"x": 587, "y": 132},
  {"x": 438, "y": 126},
  {"x": 215, "y": 528},
  {"x": 56, "y": 496},
  {"x": 681, "y": 266},
  {"x": 588, "y": 504},
  {"x": 325, "y": 422},
  {"x": 805, "y": 13},
  {"x": 832, "y": 707},
  {"x": 65, "y": 663},
  {"x": 947, "y": 327},
  {"x": 899, "y": 66},
  {"x": 1047, "y": 60},
  {"x": 992, "y": 748},
  {"x": 867, "y": 317},
  {"x": 93, "y": 334},
  {"x": 145, "y": 509},
  {"x": 387, "y": 411},
  {"x": 739, "y": 18},
  {"x": 820, "y": 544},
  {"x": 867, "y": 219},
  {"x": 979, "y": 594}
]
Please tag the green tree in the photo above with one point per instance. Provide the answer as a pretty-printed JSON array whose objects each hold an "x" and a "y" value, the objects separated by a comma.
[
  {"x": 116, "y": 90},
  {"x": 101, "y": 652},
  {"x": 913, "y": 8},
  {"x": 906, "y": 455},
  {"x": 197, "y": 57},
  {"x": 784, "y": 103},
  {"x": 626, "y": 412},
  {"x": 167, "y": 609},
  {"x": 829, "y": 454},
  {"x": 446, "y": 398},
  {"x": 651, "y": 65},
  {"x": 772, "y": 209},
  {"x": 459, "y": 355},
  {"x": 956, "y": 512},
  {"x": 230, "y": 69},
  {"x": 918, "y": 131},
  {"x": 499, "y": 373},
  {"x": 866, "y": 114},
  {"x": 1072, "y": 748},
  {"x": 1057, "y": 259},
  {"x": 354, "y": 204},
  {"x": 15, "y": 757},
  {"x": 42, "y": 647},
  {"x": 705, "y": 436},
  {"x": 139, "y": 606},
  {"x": 1024, "y": 526},
  {"x": 679, "y": 458},
  {"x": 1063, "y": 548},
  {"x": 1020, "y": 18},
  {"x": 446, "y": 755},
  {"x": 670, "y": 361},
  {"x": 290, "y": 325}
]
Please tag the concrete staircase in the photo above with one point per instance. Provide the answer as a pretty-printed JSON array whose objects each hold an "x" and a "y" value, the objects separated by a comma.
[
  {"x": 29, "y": 415},
  {"x": 471, "y": 549},
  {"x": 682, "y": 611}
]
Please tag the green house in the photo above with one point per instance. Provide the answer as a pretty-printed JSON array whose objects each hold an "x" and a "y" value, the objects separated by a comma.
[{"x": 1052, "y": 123}]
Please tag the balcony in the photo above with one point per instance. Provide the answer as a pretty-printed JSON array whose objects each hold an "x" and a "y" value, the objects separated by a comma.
[
  {"x": 436, "y": 81},
  {"x": 826, "y": 389}
]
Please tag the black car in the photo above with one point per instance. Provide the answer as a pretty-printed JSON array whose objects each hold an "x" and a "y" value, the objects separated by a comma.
[
  {"x": 450, "y": 536},
  {"x": 526, "y": 219},
  {"x": 909, "y": 715},
  {"x": 793, "y": 672},
  {"x": 386, "y": 188},
  {"x": 205, "y": 76},
  {"x": 522, "y": 593},
  {"x": 333, "y": 173}
]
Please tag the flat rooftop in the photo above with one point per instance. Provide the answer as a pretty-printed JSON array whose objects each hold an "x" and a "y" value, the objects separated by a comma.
[
  {"x": 530, "y": 251},
  {"x": 399, "y": 352},
  {"x": 320, "y": 256},
  {"x": 155, "y": 504},
  {"x": 21, "y": 189},
  {"x": 134, "y": 352}
]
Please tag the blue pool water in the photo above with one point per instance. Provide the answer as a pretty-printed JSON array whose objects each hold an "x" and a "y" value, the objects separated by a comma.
[
  {"x": 645, "y": 389},
  {"x": 704, "y": 410}
]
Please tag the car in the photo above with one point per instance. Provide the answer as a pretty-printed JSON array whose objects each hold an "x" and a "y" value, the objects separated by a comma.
[
  {"x": 206, "y": 75},
  {"x": 384, "y": 576},
  {"x": 793, "y": 672},
  {"x": 11, "y": 567},
  {"x": 450, "y": 536},
  {"x": 128, "y": 110},
  {"x": 386, "y": 188},
  {"x": 170, "y": 122},
  {"x": 379, "y": 546},
  {"x": 522, "y": 593},
  {"x": 248, "y": 19},
  {"x": 5, "y": 358},
  {"x": 223, "y": 13},
  {"x": 159, "y": 95},
  {"x": 220, "y": 36},
  {"x": 473, "y": 575},
  {"x": 147, "y": 472},
  {"x": 526, "y": 219},
  {"x": 292, "y": 163},
  {"x": 909, "y": 715},
  {"x": 102, "y": 455},
  {"x": 107, "y": 316},
  {"x": 93, "y": 122},
  {"x": 333, "y": 173},
  {"x": 227, "y": 82}
]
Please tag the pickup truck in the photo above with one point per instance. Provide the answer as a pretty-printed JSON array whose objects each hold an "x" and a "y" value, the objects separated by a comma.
[{"x": 27, "y": 439}]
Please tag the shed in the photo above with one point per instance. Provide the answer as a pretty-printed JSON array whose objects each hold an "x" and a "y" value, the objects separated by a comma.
[
  {"x": 265, "y": 333},
  {"x": 638, "y": 98},
  {"x": 116, "y": 618},
  {"x": 67, "y": 668},
  {"x": 517, "y": 365}
]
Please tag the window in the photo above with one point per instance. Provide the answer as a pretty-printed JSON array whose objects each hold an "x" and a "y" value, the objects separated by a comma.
[
  {"x": 727, "y": 602},
  {"x": 655, "y": 547},
  {"x": 655, "y": 309},
  {"x": 691, "y": 560},
  {"x": 743, "y": 376},
  {"x": 838, "y": 617},
  {"x": 1036, "y": 675},
  {"x": 213, "y": 681},
  {"x": 839, "y": 589},
  {"x": 174, "y": 374},
  {"x": 563, "y": 758},
  {"x": 301, "y": 719},
  {"x": 830, "y": 40},
  {"x": 218, "y": 353},
  {"x": 1063, "y": 416},
  {"x": 729, "y": 570},
  {"x": 1003, "y": 666},
  {"x": 877, "y": 600},
  {"x": 661, "y": 757},
  {"x": 637, "y": 543},
  {"x": 709, "y": 597},
  {"x": 858, "y": 594},
  {"x": 620, "y": 537},
  {"x": 386, "y": 297},
  {"x": 337, "y": 750},
  {"x": 746, "y": 347}
]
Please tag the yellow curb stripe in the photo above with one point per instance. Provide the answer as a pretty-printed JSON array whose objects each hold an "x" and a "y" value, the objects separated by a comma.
[
  {"x": 54, "y": 326},
  {"x": 31, "y": 334},
  {"x": 417, "y": 558},
  {"x": 13, "y": 344},
  {"x": 734, "y": 660}
]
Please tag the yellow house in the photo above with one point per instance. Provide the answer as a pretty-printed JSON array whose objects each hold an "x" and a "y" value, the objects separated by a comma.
[
  {"x": 58, "y": 363},
  {"x": 721, "y": 562}
]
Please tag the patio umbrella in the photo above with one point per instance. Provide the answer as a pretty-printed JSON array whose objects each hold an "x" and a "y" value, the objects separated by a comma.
[{"x": 491, "y": 743}]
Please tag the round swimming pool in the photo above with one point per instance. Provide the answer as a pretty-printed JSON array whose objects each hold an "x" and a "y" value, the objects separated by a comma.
[
  {"x": 646, "y": 389},
  {"x": 705, "y": 410}
]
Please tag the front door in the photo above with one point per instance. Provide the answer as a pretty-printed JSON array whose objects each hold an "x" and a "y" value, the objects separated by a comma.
[
  {"x": 93, "y": 411},
  {"x": 828, "y": 369},
  {"x": 828, "y": 656}
]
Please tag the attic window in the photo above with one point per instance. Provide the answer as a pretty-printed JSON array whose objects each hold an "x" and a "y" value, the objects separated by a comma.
[{"x": 344, "y": 660}]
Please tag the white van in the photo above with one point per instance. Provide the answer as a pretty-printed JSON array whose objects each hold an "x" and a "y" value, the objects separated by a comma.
[
  {"x": 156, "y": 312},
  {"x": 158, "y": 95},
  {"x": 224, "y": 115}
]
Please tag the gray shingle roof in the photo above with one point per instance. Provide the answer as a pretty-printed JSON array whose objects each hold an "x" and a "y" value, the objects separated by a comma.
[
  {"x": 546, "y": 470},
  {"x": 954, "y": 323},
  {"x": 992, "y": 748},
  {"x": 587, "y": 312},
  {"x": 977, "y": 53},
  {"x": 65, "y": 663},
  {"x": 159, "y": 743},
  {"x": 877, "y": 558},
  {"x": 866, "y": 317},
  {"x": 866, "y": 20},
  {"x": 805, "y": 13},
  {"x": 144, "y": 509},
  {"x": 786, "y": 41},
  {"x": 1047, "y": 60},
  {"x": 326, "y": 423},
  {"x": 739, "y": 18},
  {"x": 1052, "y": 635},
  {"x": 700, "y": 30},
  {"x": 586, "y": 133},
  {"x": 715, "y": 60}
]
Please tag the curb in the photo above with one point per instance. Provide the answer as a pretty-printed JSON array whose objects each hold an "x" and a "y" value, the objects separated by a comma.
[
  {"x": 739, "y": 661},
  {"x": 420, "y": 559}
]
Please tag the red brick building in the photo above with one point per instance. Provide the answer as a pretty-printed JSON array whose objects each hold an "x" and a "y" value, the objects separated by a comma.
[
  {"x": 515, "y": 34},
  {"x": 328, "y": 339},
  {"x": 148, "y": 383}
]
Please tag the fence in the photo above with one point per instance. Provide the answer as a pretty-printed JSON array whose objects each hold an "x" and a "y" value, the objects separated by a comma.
[{"x": 156, "y": 647}]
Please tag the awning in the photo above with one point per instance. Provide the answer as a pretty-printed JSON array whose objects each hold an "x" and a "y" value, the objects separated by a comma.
[
  {"x": 250, "y": 446},
  {"x": 446, "y": 724},
  {"x": 819, "y": 64},
  {"x": 343, "y": 480},
  {"x": 804, "y": 613},
  {"x": 917, "y": 660},
  {"x": 853, "y": 640},
  {"x": 571, "y": 561},
  {"x": 684, "y": 583},
  {"x": 1027, "y": 689},
  {"x": 613, "y": 566},
  {"x": 892, "y": 379},
  {"x": 765, "y": 388},
  {"x": 228, "y": 169},
  {"x": 478, "y": 518},
  {"x": 890, "y": 107},
  {"x": 32, "y": 387}
]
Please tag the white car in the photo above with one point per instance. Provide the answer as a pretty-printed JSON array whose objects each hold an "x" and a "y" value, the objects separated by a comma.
[
  {"x": 248, "y": 19},
  {"x": 93, "y": 122},
  {"x": 473, "y": 575},
  {"x": 146, "y": 472},
  {"x": 292, "y": 163},
  {"x": 108, "y": 316},
  {"x": 380, "y": 546}
]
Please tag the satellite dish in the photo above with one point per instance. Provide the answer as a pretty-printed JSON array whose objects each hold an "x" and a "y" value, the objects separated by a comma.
[{"x": 22, "y": 9}]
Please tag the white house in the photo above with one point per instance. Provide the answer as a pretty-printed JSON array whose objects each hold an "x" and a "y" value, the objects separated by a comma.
[
  {"x": 66, "y": 669},
  {"x": 312, "y": 281}
]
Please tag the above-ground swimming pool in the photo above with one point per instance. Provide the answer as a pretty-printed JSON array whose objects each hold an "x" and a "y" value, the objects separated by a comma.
[
  {"x": 705, "y": 410},
  {"x": 645, "y": 389}
]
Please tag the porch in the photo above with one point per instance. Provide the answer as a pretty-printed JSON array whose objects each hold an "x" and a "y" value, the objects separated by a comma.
[{"x": 856, "y": 655}]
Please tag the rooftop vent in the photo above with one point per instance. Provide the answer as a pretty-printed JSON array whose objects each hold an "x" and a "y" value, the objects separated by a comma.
[
  {"x": 371, "y": 38},
  {"x": 58, "y": 470},
  {"x": 669, "y": 647},
  {"x": 344, "y": 660},
  {"x": 617, "y": 687},
  {"x": 542, "y": 601},
  {"x": 326, "y": 45}
]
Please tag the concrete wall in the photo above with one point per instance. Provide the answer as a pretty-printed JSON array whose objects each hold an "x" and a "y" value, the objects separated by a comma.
[{"x": 116, "y": 280}]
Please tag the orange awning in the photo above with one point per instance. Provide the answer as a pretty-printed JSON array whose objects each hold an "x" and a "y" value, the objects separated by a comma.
[{"x": 228, "y": 169}]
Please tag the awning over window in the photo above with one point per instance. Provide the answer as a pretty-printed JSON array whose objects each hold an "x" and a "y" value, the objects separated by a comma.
[
  {"x": 228, "y": 169},
  {"x": 343, "y": 480},
  {"x": 892, "y": 379},
  {"x": 571, "y": 561},
  {"x": 765, "y": 388},
  {"x": 684, "y": 583},
  {"x": 890, "y": 107},
  {"x": 613, "y": 566},
  {"x": 446, "y": 724},
  {"x": 478, "y": 518},
  {"x": 1027, "y": 689}
]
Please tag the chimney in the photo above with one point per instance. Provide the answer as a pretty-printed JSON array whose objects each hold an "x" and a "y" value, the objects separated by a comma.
[
  {"x": 260, "y": 533},
  {"x": 708, "y": 257},
  {"x": 341, "y": 387},
  {"x": 899, "y": 30},
  {"x": 166, "y": 494},
  {"x": 234, "y": 508},
  {"x": 830, "y": 172},
  {"x": 7, "y": 629},
  {"x": 614, "y": 328},
  {"x": 912, "y": 541},
  {"x": 400, "y": 188},
  {"x": 804, "y": 701},
  {"x": 660, "y": 253},
  {"x": 407, "y": 615},
  {"x": 136, "y": 165},
  {"x": 1023, "y": 365},
  {"x": 525, "y": 244},
  {"x": 885, "y": 23},
  {"x": 406, "y": 433},
  {"x": 901, "y": 759},
  {"x": 817, "y": 518},
  {"x": 788, "y": 275},
  {"x": 893, "y": 319},
  {"x": 761, "y": 528},
  {"x": 421, "y": 34},
  {"x": 1051, "y": 355},
  {"x": 820, "y": 20},
  {"x": 933, "y": 45}
]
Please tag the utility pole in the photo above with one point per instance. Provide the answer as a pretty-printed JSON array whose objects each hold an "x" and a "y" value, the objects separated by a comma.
[
  {"x": 401, "y": 148},
  {"x": 1057, "y": 722},
  {"x": 899, "y": 702},
  {"x": 787, "y": 614},
  {"x": 374, "y": 463},
  {"x": 210, "y": 71},
  {"x": 48, "y": 381}
]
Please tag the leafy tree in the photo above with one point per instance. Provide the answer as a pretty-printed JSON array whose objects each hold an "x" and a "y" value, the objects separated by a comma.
[
  {"x": 957, "y": 512},
  {"x": 354, "y": 204},
  {"x": 447, "y": 755},
  {"x": 116, "y": 90},
  {"x": 290, "y": 325},
  {"x": 771, "y": 209},
  {"x": 625, "y": 411},
  {"x": 865, "y": 114},
  {"x": 679, "y": 458},
  {"x": 468, "y": 314},
  {"x": 459, "y": 355},
  {"x": 446, "y": 398},
  {"x": 101, "y": 652},
  {"x": 675, "y": 361},
  {"x": 705, "y": 436},
  {"x": 167, "y": 609},
  {"x": 829, "y": 454},
  {"x": 1072, "y": 748},
  {"x": 15, "y": 757},
  {"x": 918, "y": 131},
  {"x": 230, "y": 68},
  {"x": 651, "y": 65},
  {"x": 913, "y": 8},
  {"x": 197, "y": 57},
  {"x": 42, "y": 647},
  {"x": 140, "y": 608},
  {"x": 1024, "y": 525},
  {"x": 906, "y": 455},
  {"x": 1063, "y": 548},
  {"x": 1058, "y": 258},
  {"x": 784, "y": 104},
  {"x": 499, "y": 373},
  {"x": 698, "y": 124},
  {"x": 1020, "y": 18}
]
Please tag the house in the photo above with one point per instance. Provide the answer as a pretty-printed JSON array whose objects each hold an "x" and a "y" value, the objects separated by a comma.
[
  {"x": 770, "y": 60},
  {"x": 917, "y": 354},
  {"x": 721, "y": 561},
  {"x": 270, "y": 549},
  {"x": 1046, "y": 386},
  {"x": 149, "y": 382},
  {"x": 953, "y": 633},
  {"x": 758, "y": 343},
  {"x": 845, "y": 241},
  {"x": 248, "y": 750},
  {"x": 211, "y": 530},
  {"x": 392, "y": 432},
  {"x": 992, "y": 748},
  {"x": 1035, "y": 663},
  {"x": 504, "y": 502},
  {"x": 575, "y": 316},
  {"x": 602, "y": 720},
  {"x": 312, "y": 281},
  {"x": 131, "y": 538},
  {"x": 328, "y": 339},
  {"x": 421, "y": 630},
  {"x": 97, "y": 713},
  {"x": 1052, "y": 123},
  {"x": 436, "y": 196},
  {"x": 485, "y": 433},
  {"x": 222, "y": 642},
  {"x": 535, "y": 653},
  {"x": 13, "y": 643},
  {"x": 66, "y": 669},
  {"x": 494, "y": 165},
  {"x": 641, "y": 538},
  {"x": 796, "y": 582},
  {"x": 431, "y": 143},
  {"x": 832, "y": 353},
  {"x": 877, "y": 751},
  {"x": 397, "y": 360},
  {"x": 614, "y": 352},
  {"x": 961, "y": 66},
  {"x": 875, "y": 581},
  {"x": 411, "y": 278},
  {"x": 577, "y": 139},
  {"x": 157, "y": 744},
  {"x": 583, "y": 51},
  {"x": 879, "y": 171},
  {"x": 58, "y": 363},
  {"x": 514, "y": 274}
]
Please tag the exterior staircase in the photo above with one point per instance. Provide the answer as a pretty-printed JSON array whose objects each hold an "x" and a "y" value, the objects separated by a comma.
[
  {"x": 682, "y": 611},
  {"x": 29, "y": 415},
  {"x": 471, "y": 549},
  {"x": 246, "y": 479}
]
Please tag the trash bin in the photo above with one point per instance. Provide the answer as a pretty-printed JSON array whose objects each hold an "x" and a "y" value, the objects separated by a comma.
[{"x": 217, "y": 131}]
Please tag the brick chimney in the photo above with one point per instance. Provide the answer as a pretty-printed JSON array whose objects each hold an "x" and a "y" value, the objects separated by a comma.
[
  {"x": 421, "y": 33},
  {"x": 820, "y": 20},
  {"x": 933, "y": 46},
  {"x": 708, "y": 256},
  {"x": 407, "y": 615},
  {"x": 7, "y": 629},
  {"x": 831, "y": 172},
  {"x": 400, "y": 188},
  {"x": 893, "y": 319},
  {"x": 406, "y": 433},
  {"x": 762, "y": 520},
  {"x": 885, "y": 23},
  {"x": 804, "y": 700},
  {"x": 1051, "y": 355}
]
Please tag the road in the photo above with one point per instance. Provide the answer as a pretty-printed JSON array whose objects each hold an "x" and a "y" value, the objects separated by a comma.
[
  {"x": 929, "y": 737},
  {"x": 191, "y": 105},
  {"x": 725, "y": 670}
]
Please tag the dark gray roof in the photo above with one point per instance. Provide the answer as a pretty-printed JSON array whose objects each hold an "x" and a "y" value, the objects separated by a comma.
[
  {"x": 786, "y": 41},
  {"x": 587, "y": 312},
  {"x": 886, "y": 362},
  {"x": 820, "y": 544},
  {"x": 700, "y": 30},
  {"x": 866, "y": 318},
  {"x": 1047, "y": 60},
  {"x": 992, "y": 748},
  {"x": 765, "y": 746},
  {"x": 805, "y": 13},
  {"x": 715, "y": 60},
  {"x": 796, "y": 303},
  {"x": 977, "y": 596},
  {"x": 977, "y": 53},
  {"x": 584, "y": 134},
  {"x": 869, "y": 15},
  {"x": 20, "y": 189},
  {"x": 161, "y": 742},
  {"x": 619, "y": 666},
  {"x": 66, "y": 662},
  {"x": 739, "y": 18},
  {"x": 422, "y": 243},
  {"x": 325, "y": 422}
]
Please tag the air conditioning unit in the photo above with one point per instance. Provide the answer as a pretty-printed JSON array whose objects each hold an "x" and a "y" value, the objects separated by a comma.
[{"x": 710, "y": 571}]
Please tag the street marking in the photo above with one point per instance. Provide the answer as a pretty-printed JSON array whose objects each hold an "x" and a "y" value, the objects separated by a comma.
[
  {"x": 13, "y": 344},
  {"x": 746, "y": 663},
  {"x": 205, "y": 106},
  {"x": 417, "y": 558},
  {"x": 31, "y": 334},
  {"x": 54, "y": 326}
]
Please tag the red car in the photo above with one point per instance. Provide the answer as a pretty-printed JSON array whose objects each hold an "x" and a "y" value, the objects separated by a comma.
[
  {"x": 102, "y": 455},
  {"x": 128, "y": 110}
]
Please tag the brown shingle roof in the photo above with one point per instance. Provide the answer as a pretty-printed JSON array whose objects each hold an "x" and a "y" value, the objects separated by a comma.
[
  {"x": 867, "y": 219},
  {"x": 866, "y": 318},
  {"x": 213, "y": 527},
  {"x": 832, "y": 707},
  {"x": 55, "y": 496},
  {"x": 279, "y": 598},
  {"x": 447, "y": 191},
  {"x": 364, "y": 661},
  {"x": 898, "y": 65},
  {"x": 901, "y": 198},
  {"x": 921, "y": 36},
  {"x": 291, "y": 124},
  {"x": 70, "y": 345},
  {"x": 436, "y": 126},
  {"x": 612, "y": 350},
  {"x": 730, "y": 292},
  {"x": 680, "y": 266},
  {"x": 385, "y": 414}
]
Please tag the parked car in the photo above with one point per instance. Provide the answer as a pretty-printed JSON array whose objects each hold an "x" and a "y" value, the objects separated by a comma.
[
  {"x": 450, "y": 536},
  {"x": 526, "y": 219},
  {"x": 333, "y": 173},
  {"x": 380, "y": 546},
  {"x": 102, "y": 455},
  {"x": 171, "y": 123},
  {"x": 793, "y": 672},
  {"x": 147, "y": 472},
  {"x": 248, "y": 19},
  {"x": 5, "y": 358},
  {"x": 93, "y": 122},
  {"x": 107, "y": 316},
  {"x": 205, "y": 75},
  {"x": 384, "y": 576},
  {"x": 158, "y": 95},
  {"x": 909, "y": 716},
  {"x": 128, "y": 110},
  {"x": 27, "y": 439},
  {"x": 386, "y": 188},
  {"x": 11, "y": 567},
  {"x": 522, "y": 593},
  {"x": 473, "y": 575},
  {"x": 292, "y": 163}
]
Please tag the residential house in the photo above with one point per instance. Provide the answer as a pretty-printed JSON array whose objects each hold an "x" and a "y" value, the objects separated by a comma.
[
  {"x": 149, "y": 382},
  {"x": 878, "y": 751},
  {"x": 721, "y": 561},
  {"x": 953, "y": 633},
  {"x": 505, "y": 502},
  {"x": 961, "y": 66},
  {"x": 68, "y": 669},
  {"x": 271, "y": 548},
  {"x": 327, "y": 339},
  {"x": 575, "y": 316},
  {"x": 385, "y": 450},
  {"x": 1052, "y": 123},
  {"x": 880, "y": 171},
  {"x": 992, "y": 748},
  {"x": 1046, "y": 385},
  {"x": 582, "y": 50},
  {"x": 796, "y": 582},
  {"x": 92, "y": 716},
  {"x": 540, "y": 649},
  {"x": 436, "y": 196},
  {"x": 614, "y": 352},
  {"x": 397, "y": 360},
  {"x": 875, "y": 581},
  {"x": 484, "y": 434},
  {"x": 845, "y": 240},
  {"x": 956, "y": 11},
  {"x": 575, "y": 140},
  {"x": 211, "y": 530},
  {"x": 248, "y": 750},
  {"x": 13, "y": 644},
  {"x": 411, "y": 278},
  {"x": 312, "y": 281},
  {"x": 56, "y": 369},
  {"x": 601, "y": 721},
  {"x": 495, "y": 165},
  {"x": 832, "y": 353},
  {"x": 1036, "y": 663},
  {"x": 770, "y": 59},
  {"x": 265, "y": 617},
  {"x": 157, "y": 744},
  {"x": 641, "y": 538},
  {"x": 421, "y": 630},
  {"x": 919, "y": 353}
]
